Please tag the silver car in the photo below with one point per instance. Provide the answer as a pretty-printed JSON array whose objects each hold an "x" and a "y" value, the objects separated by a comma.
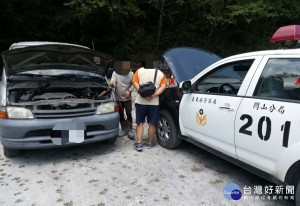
[{"x": 55, "y": 95}]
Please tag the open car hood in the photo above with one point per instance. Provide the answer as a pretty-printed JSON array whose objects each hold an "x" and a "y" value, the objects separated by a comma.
[
  {"x": 186, "y": 62},
  {"x": 55, "y": 56}
]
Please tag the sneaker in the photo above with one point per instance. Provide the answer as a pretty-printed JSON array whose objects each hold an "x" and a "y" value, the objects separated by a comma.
[
  {"x": 130, "y": 135},
  {"x": 138, "y": 146},
  {"x": 150, "y": 145}
]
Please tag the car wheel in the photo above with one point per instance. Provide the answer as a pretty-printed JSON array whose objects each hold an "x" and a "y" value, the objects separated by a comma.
[
  {"x": 167, "y": 134},
  {"x": 11, "y": 152},
  {"x": 297, "y": 194}
]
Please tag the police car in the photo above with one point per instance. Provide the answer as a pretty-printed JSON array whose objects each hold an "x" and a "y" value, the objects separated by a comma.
[{"x": 244, "y": 108}]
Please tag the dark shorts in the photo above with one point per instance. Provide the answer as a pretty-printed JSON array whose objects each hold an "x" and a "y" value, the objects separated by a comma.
[{"x": 149, "y": 111}]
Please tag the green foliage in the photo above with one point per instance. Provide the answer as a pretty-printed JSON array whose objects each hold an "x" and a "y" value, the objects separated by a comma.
[{"x": 127, "y": 29}]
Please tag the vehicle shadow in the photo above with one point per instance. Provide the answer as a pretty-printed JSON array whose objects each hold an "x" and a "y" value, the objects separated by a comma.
[{"x": 65, "y": 154}]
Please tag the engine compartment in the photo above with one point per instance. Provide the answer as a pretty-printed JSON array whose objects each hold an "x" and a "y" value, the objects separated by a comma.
[{"x": 57, "y": 94}]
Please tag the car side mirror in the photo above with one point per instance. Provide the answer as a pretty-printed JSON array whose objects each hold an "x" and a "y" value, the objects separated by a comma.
[{"x": 185, "y": 86}]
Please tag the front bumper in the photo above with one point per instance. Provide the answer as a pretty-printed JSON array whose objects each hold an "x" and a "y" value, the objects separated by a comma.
[{"x": 35, "y": 133}]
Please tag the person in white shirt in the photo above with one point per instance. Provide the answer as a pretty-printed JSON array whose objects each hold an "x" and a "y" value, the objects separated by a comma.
[
  {"x": 123, "y": 87},
  {"x": 147, "y": 107}
]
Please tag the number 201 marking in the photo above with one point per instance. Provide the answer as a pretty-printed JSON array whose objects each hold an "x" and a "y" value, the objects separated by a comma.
[{"x": 267, "y": 133}]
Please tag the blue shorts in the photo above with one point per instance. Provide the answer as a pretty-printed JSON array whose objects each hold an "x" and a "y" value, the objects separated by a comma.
[{"x": 149, "y": 111}]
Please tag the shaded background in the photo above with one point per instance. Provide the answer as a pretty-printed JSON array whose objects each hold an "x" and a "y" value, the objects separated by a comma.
[{"x": 129, "y": 29}]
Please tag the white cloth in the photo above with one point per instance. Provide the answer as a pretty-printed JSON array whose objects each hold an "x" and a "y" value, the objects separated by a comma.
[
  {"x": 146, "y": 75},
  {"x": 122, "y": 84}
]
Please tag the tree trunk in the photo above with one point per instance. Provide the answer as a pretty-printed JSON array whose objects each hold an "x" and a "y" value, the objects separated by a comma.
[{"x": 160, "y": 21}]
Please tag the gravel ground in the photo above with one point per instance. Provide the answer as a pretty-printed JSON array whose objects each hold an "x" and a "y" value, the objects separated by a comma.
[
  {"x": 116, "y": 174},
  {"x": 103, "y": 174}
]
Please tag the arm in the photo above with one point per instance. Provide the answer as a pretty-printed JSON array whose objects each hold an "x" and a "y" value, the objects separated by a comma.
[
  {"x": 128, "y": 92},
  {"x": 158, "y": 92},
  {"x": 136, "y": 86},
  {"x": 130, "y": 86},
  {"x": 113, "y": 79},
  {"x": 161, "y": 88},
  {"x": 135, "y": 81}
]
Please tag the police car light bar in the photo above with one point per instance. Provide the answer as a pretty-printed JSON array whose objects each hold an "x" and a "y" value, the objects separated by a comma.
[{"x": 287, "y": 35}]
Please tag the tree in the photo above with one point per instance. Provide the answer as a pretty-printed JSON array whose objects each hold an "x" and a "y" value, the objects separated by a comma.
[{"x": 127, "y": 29}]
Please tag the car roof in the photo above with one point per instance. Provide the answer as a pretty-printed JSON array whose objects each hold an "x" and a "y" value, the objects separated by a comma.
[
  {"x": 258, "y": 53},
  {"x": 267, "y": 52},
  {"x": 36, "y": 43}
]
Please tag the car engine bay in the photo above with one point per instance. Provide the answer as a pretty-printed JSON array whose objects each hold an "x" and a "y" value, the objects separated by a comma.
[{"x": 55, "y": 95}]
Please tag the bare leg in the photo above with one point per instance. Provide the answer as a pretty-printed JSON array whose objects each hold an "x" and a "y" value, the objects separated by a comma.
[
  {"x": 139, "y": 132},
  {"x": 151, "y": 132}
]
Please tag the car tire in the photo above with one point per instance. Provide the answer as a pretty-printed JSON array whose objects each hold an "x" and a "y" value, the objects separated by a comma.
[
  {"x": 166, "y": 132},
  {"x": 297, "y": 194},
  {"x": 10, "y": 152}
]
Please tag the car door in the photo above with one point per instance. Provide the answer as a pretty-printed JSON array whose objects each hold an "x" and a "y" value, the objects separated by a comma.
[
  {"x": 267, "y": 121},
  {"x": 207, "y": 113}
]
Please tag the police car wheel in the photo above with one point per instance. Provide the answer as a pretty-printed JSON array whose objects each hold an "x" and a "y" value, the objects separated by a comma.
[
  {"x": 10, "y": 152},
  {"x": 166, "y": 132},
  {"x": 297, "y": 195}
]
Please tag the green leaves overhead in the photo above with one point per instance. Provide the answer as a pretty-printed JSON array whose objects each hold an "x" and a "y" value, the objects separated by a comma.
[
  {"x": 127, "y": 29},
  {"x": 126, "y": 8}
]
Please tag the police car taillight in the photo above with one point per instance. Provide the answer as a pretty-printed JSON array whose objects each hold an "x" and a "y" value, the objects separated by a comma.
[{"x": 287, "y": 35}]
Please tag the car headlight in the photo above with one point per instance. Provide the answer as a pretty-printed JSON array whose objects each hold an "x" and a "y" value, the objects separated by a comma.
[
  {"x": 105, "y": 108},
  {"x": 19, "y": 113}
]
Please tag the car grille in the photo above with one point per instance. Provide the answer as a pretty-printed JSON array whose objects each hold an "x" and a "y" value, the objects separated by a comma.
[
  {"x": 38, "y": 133},
  {"x": 47, "y": 114},
  {"x": 47, "y": 132}
]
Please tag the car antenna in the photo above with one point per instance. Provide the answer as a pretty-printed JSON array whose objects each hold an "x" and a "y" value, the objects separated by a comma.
[{"x": 93, "y": 45}]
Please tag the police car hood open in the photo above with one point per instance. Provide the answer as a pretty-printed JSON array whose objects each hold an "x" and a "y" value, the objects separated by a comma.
[
  {"x": 55, "y": 56},
  {"x": 186, "y": 62}
]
